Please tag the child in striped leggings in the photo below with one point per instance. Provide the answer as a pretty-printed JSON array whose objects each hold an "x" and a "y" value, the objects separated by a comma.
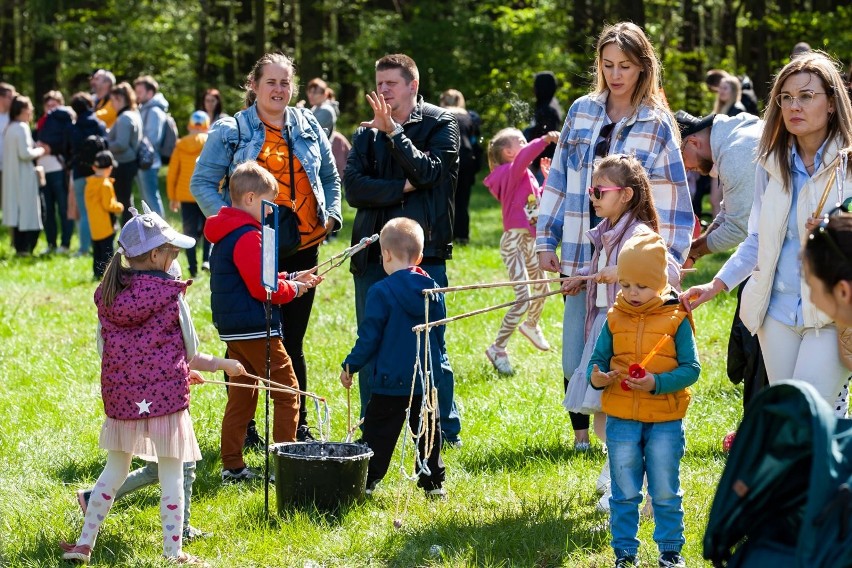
[{"x": 515, "y": 187}]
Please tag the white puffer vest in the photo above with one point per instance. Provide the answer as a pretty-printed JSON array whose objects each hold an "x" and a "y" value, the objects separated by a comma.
[{"x": 775, "y": 209}]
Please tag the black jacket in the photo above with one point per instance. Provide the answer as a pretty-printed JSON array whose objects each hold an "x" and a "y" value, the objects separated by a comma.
[{"x": 426, "y": 154}]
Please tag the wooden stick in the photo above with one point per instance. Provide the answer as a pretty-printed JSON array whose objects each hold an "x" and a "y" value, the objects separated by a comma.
[
  {"x": 423, "y": 326},
  {"x": 256, "y": 387},
  {"x": 285, "y": 387},
  {"x": 828, "y": 188},
  {"x": 510, "y": 283},
  {"x": 654, "y": 351},
  {"x": 348, "y": 403}
]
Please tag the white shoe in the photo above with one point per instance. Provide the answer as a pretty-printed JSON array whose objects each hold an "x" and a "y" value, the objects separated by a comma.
[
  {"x": 500, "y": 359},
  {"x": 603, "y": 483},
  {"x": 534, "y": 334},
  {"x": 603, "y": 503}
]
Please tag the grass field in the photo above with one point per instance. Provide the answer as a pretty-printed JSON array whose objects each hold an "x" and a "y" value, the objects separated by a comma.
[{"x": 519, "y": 494}]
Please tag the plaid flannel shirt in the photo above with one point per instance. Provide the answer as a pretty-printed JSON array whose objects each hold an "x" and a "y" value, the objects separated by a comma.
[{"x": 650, "y": 136}]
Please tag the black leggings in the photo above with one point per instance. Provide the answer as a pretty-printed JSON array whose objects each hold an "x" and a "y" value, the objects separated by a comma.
[
  {"x": 294, "y": 319},
  {"x": 124, "y": 175}
]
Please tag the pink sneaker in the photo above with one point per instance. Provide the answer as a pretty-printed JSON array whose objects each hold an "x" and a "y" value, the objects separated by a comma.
[
  {"x": 500, "y": 359},
  {"x": 81, "y": 553},
  {"x": 534, "y": 334}
]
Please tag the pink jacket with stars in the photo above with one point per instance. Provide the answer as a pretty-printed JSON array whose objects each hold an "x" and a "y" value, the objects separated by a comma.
[{"x": 144, "y": 368}]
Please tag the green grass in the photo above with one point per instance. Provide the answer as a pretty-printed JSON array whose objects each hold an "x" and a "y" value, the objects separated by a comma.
[{"x": 519, "y": 495}]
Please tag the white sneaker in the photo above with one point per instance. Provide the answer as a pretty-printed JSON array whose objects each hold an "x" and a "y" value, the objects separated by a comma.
[
  {"x": 205, "y": 266},
  {"x": 500, "y": 359},
  {"x": 603, "y": 483},
  {"x": 534, "y": 334},
  {"x": 603, "y": 503}
]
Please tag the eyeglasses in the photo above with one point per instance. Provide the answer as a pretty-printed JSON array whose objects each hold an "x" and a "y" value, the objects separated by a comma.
[
  {"x": 597, "y": 191},
  {"x": 822, "y": 228},
  {"x": 785, "y": 100},
  {"x": 602, "y": 147}
]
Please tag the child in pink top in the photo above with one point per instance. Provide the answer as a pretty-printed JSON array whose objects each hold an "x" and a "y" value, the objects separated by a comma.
[
  {"x": 149, "y": 357},
  {"x": 515, "y": 187}
]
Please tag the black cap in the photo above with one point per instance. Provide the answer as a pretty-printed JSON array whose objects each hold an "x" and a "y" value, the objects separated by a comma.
[
  {"x": 105, "y": 159},
  {"x": 690, "y": 125}
]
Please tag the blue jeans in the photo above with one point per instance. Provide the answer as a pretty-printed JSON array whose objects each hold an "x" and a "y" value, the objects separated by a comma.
[
  {"x": 83, "y": 225},
  {"x": 444, "y": 381},
  {"x": 637, "y": 449},
  {"x": 573, "y": 332},
  {"x": 149, "y": 186},
  {"x": 149, "y": 474},
  {"x": 55, "y": 194}
]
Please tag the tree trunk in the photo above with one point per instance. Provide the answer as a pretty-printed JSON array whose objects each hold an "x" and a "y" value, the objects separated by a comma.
[
  {"x": 45, "y": 49},
  {"x": 202, "y": 72},
  {"x": 754, "y": 46},
  {"x": 259, "y": 29},
  {"x": 312, "y": 52}
]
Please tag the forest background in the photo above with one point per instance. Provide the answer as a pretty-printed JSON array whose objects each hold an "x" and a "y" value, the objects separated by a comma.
[{"x": 488, "y": 49}]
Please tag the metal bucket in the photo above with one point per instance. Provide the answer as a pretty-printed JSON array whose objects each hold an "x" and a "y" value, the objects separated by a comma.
[{"x": 325, "y": 474}]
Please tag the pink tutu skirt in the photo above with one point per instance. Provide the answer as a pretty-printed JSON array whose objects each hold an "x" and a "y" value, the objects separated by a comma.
[{"x": 169, "y": 436}]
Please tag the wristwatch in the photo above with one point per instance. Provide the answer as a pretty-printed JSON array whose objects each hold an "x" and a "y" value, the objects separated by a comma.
[{"x": 397, "y": 129}]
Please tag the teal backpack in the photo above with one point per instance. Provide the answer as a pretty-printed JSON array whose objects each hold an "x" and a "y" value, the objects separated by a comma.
[{"x": 785, "y": 496}]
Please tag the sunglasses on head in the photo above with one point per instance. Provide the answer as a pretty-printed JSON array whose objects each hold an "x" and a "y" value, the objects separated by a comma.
[
  {"x": 597, "y": 191},
  {"x": 602, "y": 147},
  {"x": 822, "y": 228}
]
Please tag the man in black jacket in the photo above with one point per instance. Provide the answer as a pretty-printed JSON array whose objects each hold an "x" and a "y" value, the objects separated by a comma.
[{"x": 404, "y": 163}]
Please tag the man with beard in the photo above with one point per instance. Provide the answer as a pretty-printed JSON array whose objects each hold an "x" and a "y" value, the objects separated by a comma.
[{"x": 722, "y": 147}]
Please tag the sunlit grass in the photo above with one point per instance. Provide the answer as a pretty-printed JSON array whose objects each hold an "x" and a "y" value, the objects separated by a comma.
[{"x": 519, "y": 495}]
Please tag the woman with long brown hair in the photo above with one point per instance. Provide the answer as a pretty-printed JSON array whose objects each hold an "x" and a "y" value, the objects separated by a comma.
[{"x": 808, "y": 130}]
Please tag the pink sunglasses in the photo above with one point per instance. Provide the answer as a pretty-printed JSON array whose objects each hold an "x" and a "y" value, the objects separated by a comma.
[{"x": 597, "y": 191}]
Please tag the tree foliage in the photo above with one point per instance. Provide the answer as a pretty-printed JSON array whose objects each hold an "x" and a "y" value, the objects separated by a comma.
[{"x": 488, "y": 49}]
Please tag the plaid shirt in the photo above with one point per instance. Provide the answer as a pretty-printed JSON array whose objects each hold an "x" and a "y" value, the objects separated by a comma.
[{"x": 648, "y": 135}]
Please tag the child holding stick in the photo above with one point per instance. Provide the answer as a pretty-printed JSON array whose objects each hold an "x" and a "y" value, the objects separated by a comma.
[
  {"x": 645, "y": 402},
  {"x": 148, "y": 346},
  {"x": 516, "y": 188},
  {"x": 621, "y": 197},
  {"x": 394, "y": 306},
  {"x": 237, "y": 299}
]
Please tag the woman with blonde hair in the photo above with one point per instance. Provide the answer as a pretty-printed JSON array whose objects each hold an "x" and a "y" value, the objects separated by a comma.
[
  {"x": 808, "y": 129},
  {"x": 625, "y": 113},
  {"x": 728, "y": 97}
]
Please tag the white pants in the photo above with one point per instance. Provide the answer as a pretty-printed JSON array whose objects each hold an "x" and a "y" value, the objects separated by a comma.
[{"x": 804, "y": 354}]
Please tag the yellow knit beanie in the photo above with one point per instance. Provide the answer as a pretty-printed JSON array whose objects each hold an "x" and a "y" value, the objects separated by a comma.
[{"x": 643, "y": 260}]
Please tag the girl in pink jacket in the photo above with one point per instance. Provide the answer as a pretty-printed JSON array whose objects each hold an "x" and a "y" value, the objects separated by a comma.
[
  {"x": 515, "y": 187},
  {"x": 149, "y": 358}
]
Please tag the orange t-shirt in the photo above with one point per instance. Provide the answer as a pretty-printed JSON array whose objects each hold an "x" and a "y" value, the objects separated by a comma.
[{"x": 275, "y": 158}]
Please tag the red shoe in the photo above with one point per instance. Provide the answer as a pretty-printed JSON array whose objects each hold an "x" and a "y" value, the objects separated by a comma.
[
  {"x": 728, "y": 441},
  {"x": 82, "y": 553}
]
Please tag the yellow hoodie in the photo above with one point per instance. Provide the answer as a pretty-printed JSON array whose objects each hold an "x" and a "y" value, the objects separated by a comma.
[
  {"x": 100, "y": 202},
  {"x": 181, "y": 166}
]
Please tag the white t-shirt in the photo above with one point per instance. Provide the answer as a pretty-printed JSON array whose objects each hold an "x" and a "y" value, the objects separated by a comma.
[{"x": 601, "y": 300}]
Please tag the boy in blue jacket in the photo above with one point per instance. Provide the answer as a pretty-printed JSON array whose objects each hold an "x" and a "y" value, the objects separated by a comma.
[{"x": 393, "y": 307}]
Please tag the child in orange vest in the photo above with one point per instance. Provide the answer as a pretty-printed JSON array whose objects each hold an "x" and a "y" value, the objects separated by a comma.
[
  {"x": 181, "y": 166},
  {"x": 644, "y": 361},
  {"x": 102, "y": 207}
]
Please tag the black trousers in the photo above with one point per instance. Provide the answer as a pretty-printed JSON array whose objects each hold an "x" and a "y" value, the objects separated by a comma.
[
  {"x": 124, "y": 175},
  {"x": 24, "y": 241},
  {"x": 294, "y": 320},
  {"x": 103, "y": 251},
  {"x": 193, "y": 225},
  {"x": 383, "y": 422}
]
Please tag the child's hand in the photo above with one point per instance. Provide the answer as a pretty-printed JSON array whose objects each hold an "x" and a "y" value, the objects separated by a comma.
[
  {"x": 572, "y": 287},
  {"x": 345, "y": 379},
  {"x": 174, "y": 205},
  {"x": 607, "y": 275},
  {"x": 812, "y": 223},
  {"x": 232, "y": 367},
  {"x": 195, "y": 377},
  {"x": 552, "y": 137},
  {"x": 544, "y": 165},
  {"x": 647, "y": 383},
  {"x": 600, "y": 379}
]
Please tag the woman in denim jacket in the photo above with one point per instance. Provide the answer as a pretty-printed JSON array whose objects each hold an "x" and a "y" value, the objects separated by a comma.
[{"x": 267, "y": 131}]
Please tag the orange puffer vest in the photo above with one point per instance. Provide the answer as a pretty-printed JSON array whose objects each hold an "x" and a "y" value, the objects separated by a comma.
[{"x": 635, "y": 332}]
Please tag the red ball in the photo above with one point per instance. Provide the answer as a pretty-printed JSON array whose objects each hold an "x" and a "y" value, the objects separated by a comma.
[
  {"x": 625, "y": 386},
  {"x": 636, "y": 371}
]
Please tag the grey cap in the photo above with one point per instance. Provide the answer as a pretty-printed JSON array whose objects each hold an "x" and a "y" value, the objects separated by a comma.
[{"x": 143, "y": 233}]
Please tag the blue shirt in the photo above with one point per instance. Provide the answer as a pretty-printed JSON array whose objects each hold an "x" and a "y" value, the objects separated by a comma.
[{"x": 785, "y": 300}]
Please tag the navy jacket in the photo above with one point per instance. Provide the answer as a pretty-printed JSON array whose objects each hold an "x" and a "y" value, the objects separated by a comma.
[
  {"x": 56, "y": 132},
  {"x": 395, "y": 305},
  {"x": 87, "y": 124}
]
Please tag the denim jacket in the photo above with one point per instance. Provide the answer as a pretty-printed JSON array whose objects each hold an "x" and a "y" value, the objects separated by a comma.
[{"x": 223, "y": 152}]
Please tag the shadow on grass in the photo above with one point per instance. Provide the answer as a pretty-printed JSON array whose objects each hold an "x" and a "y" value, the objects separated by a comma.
[{"x": 539, "y": 533}]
